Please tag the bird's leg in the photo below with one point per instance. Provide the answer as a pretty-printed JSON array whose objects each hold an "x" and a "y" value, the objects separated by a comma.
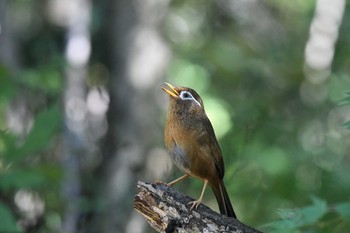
[
  {"x": 178, "y": 179},
  {"x": 195, "y": 204}
]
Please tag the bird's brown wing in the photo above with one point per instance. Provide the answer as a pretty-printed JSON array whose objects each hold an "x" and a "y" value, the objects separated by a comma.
[{"x": 207, "y": 139}]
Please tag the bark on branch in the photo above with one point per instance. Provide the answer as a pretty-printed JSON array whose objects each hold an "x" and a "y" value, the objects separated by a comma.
[{"x": 166, "y": 210}]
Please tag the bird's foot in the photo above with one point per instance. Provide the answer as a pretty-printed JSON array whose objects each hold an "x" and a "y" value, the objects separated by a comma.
[
  {"x": 174, "y": 181},
  {"x": 178, "y": 179},
  {"x": 161, "y": 182},
  {"x": 195, "y": 204}
]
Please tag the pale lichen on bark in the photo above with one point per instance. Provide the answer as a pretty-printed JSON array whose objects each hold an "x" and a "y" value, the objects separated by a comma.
[{"x": 166, "y": 210}]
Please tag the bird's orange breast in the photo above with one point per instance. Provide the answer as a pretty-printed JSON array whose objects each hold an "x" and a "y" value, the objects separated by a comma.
[{"x": 187, "y": 153}]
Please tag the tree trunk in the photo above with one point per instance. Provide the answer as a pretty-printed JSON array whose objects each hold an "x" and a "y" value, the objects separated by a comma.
[
  {"x": 74, "y": 137},
  {"x": 137, "y": 60}
]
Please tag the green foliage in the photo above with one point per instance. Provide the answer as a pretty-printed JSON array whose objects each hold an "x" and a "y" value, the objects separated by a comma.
[
  {"x": 26, "y": 162},
  {"x": 8, "y": 222},
  {"x": 347, "y": 124},
  {"x": 7, "y": 88},
  {"x": 346, "y": 101},
  {"x": 7, "y": 92},
  {"x": 343, "y": 209},
  {"x": 47, "y": 79},
  {"x": 45, "y": 126},
  {"x": 294, "y": 219},
  {"x": 317, "y": 217},
  {"x": 16, "y": 173}
]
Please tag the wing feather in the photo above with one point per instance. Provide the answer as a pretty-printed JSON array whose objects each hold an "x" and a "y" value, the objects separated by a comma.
[{"x": 207, "y": 139}]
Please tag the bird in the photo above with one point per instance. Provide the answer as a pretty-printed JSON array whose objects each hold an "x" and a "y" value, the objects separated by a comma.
[{"x": 191, "y": 142}]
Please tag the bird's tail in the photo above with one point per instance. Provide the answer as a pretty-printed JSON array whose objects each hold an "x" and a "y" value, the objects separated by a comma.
[{"x": 223, "y": 200}]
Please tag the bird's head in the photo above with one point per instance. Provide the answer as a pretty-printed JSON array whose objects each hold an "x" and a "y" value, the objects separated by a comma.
[{"x": 184, "y": 99}]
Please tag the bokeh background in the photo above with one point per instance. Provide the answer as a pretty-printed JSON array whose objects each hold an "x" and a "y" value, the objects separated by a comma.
[{"x": 82, "y": 110}]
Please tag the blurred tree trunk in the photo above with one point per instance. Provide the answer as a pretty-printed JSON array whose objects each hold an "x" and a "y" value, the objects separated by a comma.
[
  {"x": 18, "y": 115},
  {"x": 75, "y": 135},
  {"x": 8, "y": 42},
  {"x": 137, "y": 60}
]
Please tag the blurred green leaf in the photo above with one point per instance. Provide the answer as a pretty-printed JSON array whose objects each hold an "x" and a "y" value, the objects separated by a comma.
[
  {"x": 46, "y": 79},
  {"x": 347, "y": 124},
  {"x": 295, "y": 218},
  {"x": 8, "y": 143},
  {"x": 7, "y": 86},
  {"x": 51, "y": 172},
  {"x": 277, "y": 226},
  {"x": 343, "y": 209},
  {"x": 311, "y": 214},
  {"x": 7, "y": 220},
  {"x": 46, "y": 125},
  {"x": 288, "y": 222},
  {"x": 345, "y": 100},
  {"x": 25, "y": 178}
]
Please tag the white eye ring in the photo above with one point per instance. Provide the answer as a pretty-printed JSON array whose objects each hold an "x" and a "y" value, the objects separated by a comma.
[{"x": 185, "y": 95}]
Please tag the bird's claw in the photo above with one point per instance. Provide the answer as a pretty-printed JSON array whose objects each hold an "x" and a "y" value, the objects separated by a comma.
[
  {"x": 194, "y": 204},
  {"x": 161, "y": 182}
]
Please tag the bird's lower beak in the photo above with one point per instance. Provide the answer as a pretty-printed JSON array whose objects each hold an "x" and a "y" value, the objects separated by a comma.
[{"x": 172, "y": 92}]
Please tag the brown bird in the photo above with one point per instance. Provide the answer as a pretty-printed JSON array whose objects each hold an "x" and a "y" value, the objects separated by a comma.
[{"x": 191, "y": 142}]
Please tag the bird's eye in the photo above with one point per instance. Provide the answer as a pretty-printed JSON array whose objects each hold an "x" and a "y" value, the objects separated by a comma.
[{"x": 185, "y": 95}]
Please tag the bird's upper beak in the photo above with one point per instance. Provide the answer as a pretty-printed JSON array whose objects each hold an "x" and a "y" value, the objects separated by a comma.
[{"x": 172, "y": 92}]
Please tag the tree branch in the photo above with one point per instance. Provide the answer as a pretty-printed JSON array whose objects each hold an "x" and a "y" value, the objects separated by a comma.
[{"x": 166, "y": 210}]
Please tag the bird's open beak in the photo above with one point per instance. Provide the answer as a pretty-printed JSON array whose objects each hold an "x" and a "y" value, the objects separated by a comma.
[{"x": 172, "y": 92}]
